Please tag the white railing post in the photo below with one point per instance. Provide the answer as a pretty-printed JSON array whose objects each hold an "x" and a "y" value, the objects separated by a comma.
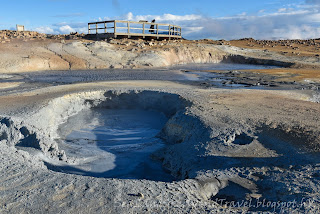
[{"x": 128, "y": 26}]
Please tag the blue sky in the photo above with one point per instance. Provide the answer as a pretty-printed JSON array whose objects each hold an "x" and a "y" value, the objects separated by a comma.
[{"x": 216, "y": 19}]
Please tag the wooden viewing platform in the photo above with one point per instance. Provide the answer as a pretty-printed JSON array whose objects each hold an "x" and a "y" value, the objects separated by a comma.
[{"x": 115, "y": 28}]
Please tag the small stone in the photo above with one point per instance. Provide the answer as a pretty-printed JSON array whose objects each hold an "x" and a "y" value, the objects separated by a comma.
[
  {"x": 255, "y": 195},
  {"x": 116, "y": 66},
  {"x": 140, "y": 195}
]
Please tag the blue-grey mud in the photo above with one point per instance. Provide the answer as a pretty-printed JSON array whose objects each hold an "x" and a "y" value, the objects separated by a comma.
[{"x": 114, "y": 143}]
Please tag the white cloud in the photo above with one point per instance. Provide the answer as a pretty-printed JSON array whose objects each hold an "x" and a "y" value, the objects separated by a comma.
[
  {"x": 313, "y": 1},
  {"x": 63, "y": 28},
  {"x": 45, "y": 29},
  {"x": 292, "y": 25},
  {"x": 66, "y": 29},
  {"x": 297, "y": 32},
  {"x": 129, "y": 16},
  {"x": 313, "y": 18},
  {"x": 280, "y": 10},
  {"x": 159, "y": 18},
  {"x": 242, "y": 14},
  {"x": 170, "y": 17}
]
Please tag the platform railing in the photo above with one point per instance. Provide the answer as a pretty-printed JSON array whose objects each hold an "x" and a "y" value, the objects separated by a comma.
[{"x": 131, "y": 28}]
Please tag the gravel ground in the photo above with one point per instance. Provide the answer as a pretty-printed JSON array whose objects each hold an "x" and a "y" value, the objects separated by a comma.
[{"x": 231, "y": 144}]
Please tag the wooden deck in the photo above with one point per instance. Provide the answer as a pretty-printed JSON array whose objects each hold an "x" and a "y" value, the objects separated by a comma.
[{"x": 115, "y": 28}]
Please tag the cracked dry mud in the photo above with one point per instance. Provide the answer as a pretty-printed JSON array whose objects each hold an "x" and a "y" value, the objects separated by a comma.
[{"x": 222, "y": 145}]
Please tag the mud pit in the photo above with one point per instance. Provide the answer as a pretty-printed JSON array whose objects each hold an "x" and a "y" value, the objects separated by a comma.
[
  {"x": 114, "y": 144},
  {"x": 116, "y": 138}
]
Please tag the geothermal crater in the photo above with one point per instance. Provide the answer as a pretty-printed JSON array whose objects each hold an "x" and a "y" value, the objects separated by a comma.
[{"x": 108, "y": 134}]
